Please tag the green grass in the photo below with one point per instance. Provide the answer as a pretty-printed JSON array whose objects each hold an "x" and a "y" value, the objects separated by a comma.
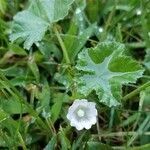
[{"x": 37, "y": 86}]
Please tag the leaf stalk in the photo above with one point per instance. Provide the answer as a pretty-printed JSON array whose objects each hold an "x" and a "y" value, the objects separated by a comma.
[
  {"x": 136, "y": 91},
  {"x": 65, "y": 53}
]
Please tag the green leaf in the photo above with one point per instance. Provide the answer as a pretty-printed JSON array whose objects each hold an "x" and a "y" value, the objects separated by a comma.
[
  {"x": 76, "y": 144},
  {"x": 98, "y": 145},
  {"x": 3, "y": 6},
  {"x": 2, "y": 142},
  {"x": 13, "y": 71},
  {"x": 145, "y": 98},
  {"x": 13, "y": 106},
  {"x": 44, "y": 96},
  {"x": 64, "y": 78},
  {"x": 80, "y": 41},
  {"x": 34, "y": 68},
  {"x": 65, "y": 142},
  {"x": 95, "y": 7},
  {"x": 143, "y": 147},
  {"x": 51, "y": 143},
  {"x": 129, "y": 120},
  {"x": 56, "y": 108},
  {"x": 50, "y": 50},
  {"x": 21, "y": 80},
  {"x": 51, "y": 10},
  {"x": 30, "y": 25},
  {"x": 17, "y": 50},
  {"x": 3, "y": 115},
  {"x": 74, "y": 40},
  {"x": 104, "y": 69}
]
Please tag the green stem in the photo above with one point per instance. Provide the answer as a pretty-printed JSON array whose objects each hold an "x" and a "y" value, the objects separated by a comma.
[
  {"x": 136, "y": 91},
  {"x": 139, "y": 131},
  {"x": 135, "y": 45},
  {"x": 108, "y": 23},
  {"x": 22, "y": 141},
  {"x": 50, "y": 125},
  {"x": 119, "y": 134},
  {"x": 5, "y": 138},
  {"x": 98, "y": 129},
  {"x": 62, "y": 46}
]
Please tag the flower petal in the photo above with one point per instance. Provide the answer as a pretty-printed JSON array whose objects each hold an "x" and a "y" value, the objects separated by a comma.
[{"x": 85, "y": 121}]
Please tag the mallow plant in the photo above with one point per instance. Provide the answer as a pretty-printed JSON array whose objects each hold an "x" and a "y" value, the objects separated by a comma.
[{"x": 103, "y": 68}]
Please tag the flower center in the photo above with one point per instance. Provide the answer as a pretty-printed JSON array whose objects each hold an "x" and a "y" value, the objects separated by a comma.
[{"x": 80, "y": 113}]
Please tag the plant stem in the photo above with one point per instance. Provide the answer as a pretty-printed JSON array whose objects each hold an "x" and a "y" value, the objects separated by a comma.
[
  {"x": 108, "y": 23},
  {"x": 62, "y": 46},
  {"x": 139, "y": 131},
  {"x": 22, "y": 141},
  {"x": 112, "y": 134},
  {"x": 135, "y": 45},
  {"x": 98, "y": 129},
  {"x": 136, "y": 91}
]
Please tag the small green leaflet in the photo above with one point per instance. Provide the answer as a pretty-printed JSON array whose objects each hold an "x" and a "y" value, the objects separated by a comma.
[
  {"x": 30, "y": 25},
  {"x": 105, "y": 69}
]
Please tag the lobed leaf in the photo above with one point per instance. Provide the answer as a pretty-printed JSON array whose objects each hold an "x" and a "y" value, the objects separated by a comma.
[
  {"x": 30, "y": 25},
  {"x": 105, "y": 69}
]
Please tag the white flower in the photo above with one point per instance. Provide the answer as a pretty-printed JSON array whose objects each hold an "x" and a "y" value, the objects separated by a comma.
[{"x": 82, "y": 114}]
